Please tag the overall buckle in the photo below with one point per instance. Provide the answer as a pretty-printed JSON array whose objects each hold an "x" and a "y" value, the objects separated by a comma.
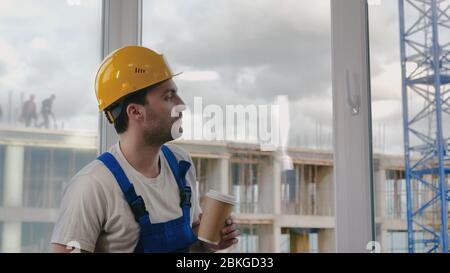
[
  {"x": 138, "y": 208},
  {"x": 185, "y": 197}
]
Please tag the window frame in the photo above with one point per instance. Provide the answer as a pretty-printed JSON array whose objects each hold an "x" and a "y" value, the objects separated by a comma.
[
  {"x": 121, "y": 26},
  {"x": 352, "y": 121},
  {"x": 352, "y": 127}
]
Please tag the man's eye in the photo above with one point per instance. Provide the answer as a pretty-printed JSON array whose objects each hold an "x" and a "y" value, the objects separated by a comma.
[{"x": 170, "y": 95}]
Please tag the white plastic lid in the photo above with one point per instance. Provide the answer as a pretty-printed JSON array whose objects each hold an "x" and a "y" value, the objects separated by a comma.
[{"x": 221, "y": 197}]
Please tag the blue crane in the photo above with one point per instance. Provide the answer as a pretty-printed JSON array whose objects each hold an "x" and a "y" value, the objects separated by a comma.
[{"x": 424, "y": 48}]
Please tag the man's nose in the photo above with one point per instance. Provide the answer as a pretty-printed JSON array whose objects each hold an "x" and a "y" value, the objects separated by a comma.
[{"x": 179, "y": 101}]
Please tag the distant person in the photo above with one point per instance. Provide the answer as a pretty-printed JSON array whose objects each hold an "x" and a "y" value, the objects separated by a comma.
[
  {"x": 29, "y": 111},
  {"x": 46, "y": 112}
]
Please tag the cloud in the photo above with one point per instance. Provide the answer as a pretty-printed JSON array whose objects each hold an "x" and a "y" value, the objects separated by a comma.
[
  {"x": 39, "y": 43},
  {"x": 387, "y": 83},
  {"x": 50, "y": 52},
  {"x": 15, "y": 69},
  {"x": 384, "y": 110},
  {"x": 259, "y": 49},
  {"x": 199, "y": 76},
  {"x": 232, "y": 52},
  {"x": 284, "y": 48},
  {"x": 264, "y": 49},
  {"x": 3, "y": 69}
]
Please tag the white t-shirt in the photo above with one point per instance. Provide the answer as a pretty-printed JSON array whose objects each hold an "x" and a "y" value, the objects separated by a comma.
[{"x": 95, "y": 214}]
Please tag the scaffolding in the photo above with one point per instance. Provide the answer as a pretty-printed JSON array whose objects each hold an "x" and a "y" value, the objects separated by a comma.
[{"x": 424, "y": 35}]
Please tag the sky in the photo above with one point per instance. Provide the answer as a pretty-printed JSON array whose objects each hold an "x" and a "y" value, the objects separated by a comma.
[
  {"x": 230, "y": 52},
  {"x": 260, "y": 49},
  {"x": 51, "y": 47}
]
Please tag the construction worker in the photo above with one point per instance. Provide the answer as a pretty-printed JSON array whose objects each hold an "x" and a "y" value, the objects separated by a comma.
[
  {"x": 137, "y": 197},
  {"x": 29, "y": 112},
  {"x": 46, "y": 112}
]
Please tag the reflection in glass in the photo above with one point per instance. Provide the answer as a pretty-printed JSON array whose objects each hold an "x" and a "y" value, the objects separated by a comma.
[{"x": 48, "y": 112}]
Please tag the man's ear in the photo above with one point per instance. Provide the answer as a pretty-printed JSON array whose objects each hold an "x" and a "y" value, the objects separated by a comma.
[{"x": 135, "y": 111}]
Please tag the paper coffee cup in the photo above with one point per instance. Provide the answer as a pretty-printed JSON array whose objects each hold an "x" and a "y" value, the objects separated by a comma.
[{"x": 217, "y": 208}]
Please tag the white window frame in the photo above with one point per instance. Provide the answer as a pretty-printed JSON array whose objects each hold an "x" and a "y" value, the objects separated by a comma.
[
  {"x": 121, "y": 26},
  {"x": 352, "y": 138},
  {"x": 352, "y": 126}
]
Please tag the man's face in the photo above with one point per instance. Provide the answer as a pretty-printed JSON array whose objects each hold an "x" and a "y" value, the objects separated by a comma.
[{"x": 158, "y": 119}]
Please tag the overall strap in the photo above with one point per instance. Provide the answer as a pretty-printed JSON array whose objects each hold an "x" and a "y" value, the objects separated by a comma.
[
  {"x": 179, "y": 170},
  {"x": 136, "y": 202}
]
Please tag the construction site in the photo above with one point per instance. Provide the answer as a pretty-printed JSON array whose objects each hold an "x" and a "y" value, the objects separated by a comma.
[
  {"x": 342, "y": 188},
  {"x": 275, "y": 214}
]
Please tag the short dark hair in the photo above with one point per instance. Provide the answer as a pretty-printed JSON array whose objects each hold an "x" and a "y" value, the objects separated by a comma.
[{"x": 138, "y": 97}]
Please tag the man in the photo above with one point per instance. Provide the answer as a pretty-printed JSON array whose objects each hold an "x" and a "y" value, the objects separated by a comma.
[
  {"x": 46, "y": 112},
  {"x": 137, "y": 197},
  {"x": 29, "y": 112}
]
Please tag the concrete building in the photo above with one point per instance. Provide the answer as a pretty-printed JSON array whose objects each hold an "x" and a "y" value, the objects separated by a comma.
[{"x": 278, "y": 211}]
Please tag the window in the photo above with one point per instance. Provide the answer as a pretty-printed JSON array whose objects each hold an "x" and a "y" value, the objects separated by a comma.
[
  {"x": 299, "y": 240},
  {"x": 36, "y": 236},
  {"x": 47, "y": 171},
  {"x": 395, "y": 194},
  {"x": 245, "y": 186},
  {"x": 313, "y": 242},
  {"x": 249, "y": 241},
  {"x": 257, "y": 84},
  {"x": 202, "y": 168},
  {"x": 254, "y": 239},
  {"x": 398, "y": 242},
  {"x": 386, "y": 121},
  {"x": 404, "y": 104},
  {"x": 306, "y": 190},
  {"x": 47, "y": 61}
]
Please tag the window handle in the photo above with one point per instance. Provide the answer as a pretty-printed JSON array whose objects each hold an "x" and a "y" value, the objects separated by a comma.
[{"x": 353, "y": 94}]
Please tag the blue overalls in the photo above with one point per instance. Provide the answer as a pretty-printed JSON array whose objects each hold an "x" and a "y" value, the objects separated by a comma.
[{"x": 172, "y": 236}]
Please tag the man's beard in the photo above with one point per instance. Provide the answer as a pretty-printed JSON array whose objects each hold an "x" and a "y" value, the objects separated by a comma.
[
  {"x": 156, "y": 136},
  {"x": 160, "y": 134}
]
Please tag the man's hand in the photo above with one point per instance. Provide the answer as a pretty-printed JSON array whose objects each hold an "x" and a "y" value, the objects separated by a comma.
[
  {"x": 228, "y": 234},
  {"x": 196, "y": 224}
]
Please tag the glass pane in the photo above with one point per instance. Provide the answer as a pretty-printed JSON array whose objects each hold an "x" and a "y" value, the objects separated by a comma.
[
  {"x": 48, "y": 117},
  {"x": 257, "y": 84},
  {"x": 405, "y": 120}
]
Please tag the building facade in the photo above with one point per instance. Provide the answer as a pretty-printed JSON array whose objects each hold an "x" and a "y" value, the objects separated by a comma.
[{"x": 277, "y": 211}]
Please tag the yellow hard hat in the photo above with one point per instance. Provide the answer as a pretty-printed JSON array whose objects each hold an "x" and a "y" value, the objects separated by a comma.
[{"x": 127, "y": 70}]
